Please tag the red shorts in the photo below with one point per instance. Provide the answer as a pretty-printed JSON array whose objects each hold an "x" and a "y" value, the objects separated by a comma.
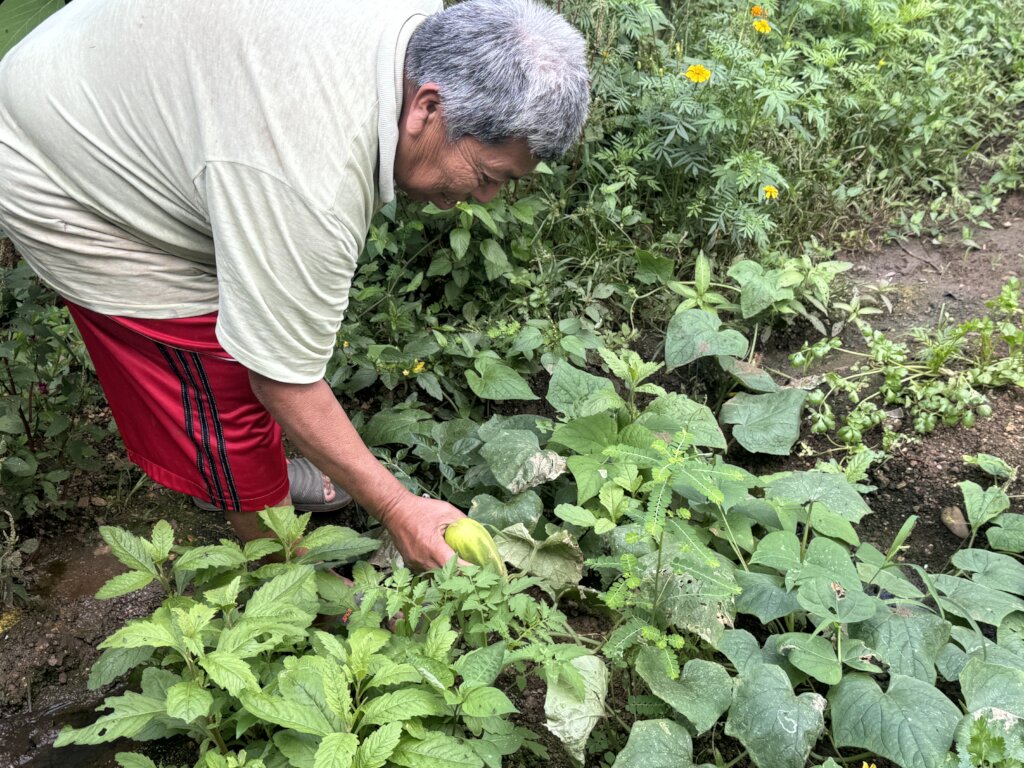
[{"x": 185, "y": 409}]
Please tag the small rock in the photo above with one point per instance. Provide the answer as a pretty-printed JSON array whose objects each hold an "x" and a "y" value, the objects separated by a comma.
[
  {"x": 98, "y": 501},
  {"x": 53, "y": 661},
  {"x": 83, "y": 502},
  {"x": 63, "y": 678},
  {"x": 1007, "y": 224},
  {"x": 953, "y": 519}
]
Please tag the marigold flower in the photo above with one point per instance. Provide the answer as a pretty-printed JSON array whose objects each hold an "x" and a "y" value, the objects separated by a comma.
[
  {"x": 771, "y": 192},
  {"x": 757, "y": 10},
  {"x": 418, "y": 368},
  {"x": 866, "y": 765},
  {"x": 698, "y": 73},
  {"x": 762, "y": 26}
]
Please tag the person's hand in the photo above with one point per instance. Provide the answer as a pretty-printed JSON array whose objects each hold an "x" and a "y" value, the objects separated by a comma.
[{"x": 417, "y": 526}]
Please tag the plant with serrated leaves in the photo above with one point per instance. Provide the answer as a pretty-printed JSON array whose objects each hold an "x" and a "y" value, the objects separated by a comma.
[{"x": 236, "y": 659}]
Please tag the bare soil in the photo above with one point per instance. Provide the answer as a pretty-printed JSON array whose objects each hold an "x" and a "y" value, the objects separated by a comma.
[{"x": 46, "y": 649}]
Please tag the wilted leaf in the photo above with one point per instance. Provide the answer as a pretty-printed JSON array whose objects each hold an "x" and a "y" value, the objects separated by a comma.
[{"x": 572, "y": 717}]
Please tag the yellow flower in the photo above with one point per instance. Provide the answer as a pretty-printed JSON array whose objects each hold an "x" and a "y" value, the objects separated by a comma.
[
  {"x": 762, "y": 26},
  {"x": 771, "y": 192},
  {"x": 866, "y": 765},
  {"x": 882, "y": 63},
  {"x": 698, "y": 73},
  {"x": 344, "y": 345},
  {"x": 418, "y": 368},
  {"x": 405, "y": 371},
  {"x": 757, "y": 10}
]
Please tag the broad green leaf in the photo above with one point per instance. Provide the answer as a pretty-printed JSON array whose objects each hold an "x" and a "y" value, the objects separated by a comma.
[
  {"x": 335, "y": 544},
  {"x": 437, "y": 750},
  {"x": 229, "y": 672},
  {"x": 674, "y": 413},
  {"x": 831, "y": 524},
  {"x": 188, "y": 700},
  {"x": 570, "y": 716},
  {"x": 570, "y": 389},
  {"x": 969, "y": 600},
  {"x": 983, "y": 505},
  {"x": 517, "y": 461},
  {"x": 587, "y": 472},
  {"x": 908, "y": 640},
  {"x": 162, "y": 538},
  {"x": 128, "y": 548},
  {"x": 777, "y": 727},
  {"x": 130, "y": 714},
  {"x": 114, "y": 662},
  {"x": 133, "y": 760},
  {"x": 832, "y": 490},
  {"x": 591, "y": 434},
  {"x": 496, "y": 381},
  {"x": 154, "y": 631},
  {"x": 656, "y": 744},
  {"x": 524, "y": 508},
  {"x": 741, "y": 649},
  {"x": 764, "y": 596},
  {"x": 1000, "y": 572},
  {"x": 19, "y": 17},
  {"x": 575, "y": 515},
  {"x": 294, "y": 590},
  {"x": 779, "y": 550},
  {"x": 991, "y": 465},
  {"x": 299, "y": 748},
  {"x": 831, "y": 601},
  {"x": 812, "y": 654},
  {"x": 1007, "y": 533},
  {"x": 557, "y": 560},
  {"x": 378, "y": 746},
  {"x": 227, "y": 555},
  {"x": 487, "y": 702},
  {"x": 768, "y": 423},
  {"x": 124, "y": 583},
  {"x": 336, "y": 750},
  {"x": 701, "y": 695},
  {"x": 459, "y": 239},
  {"x": 911, "y": 723},
  {"x": 287, "y": 714},
  {"x": 392, "y": 426},
  {"x": 696, "y": 333},
  {"x": 991, "y": 685},
  {"x": 748, "y": 374},
  {"x": 482, "y": 666},
  {"x": 402, "y": 705},
  {"x": 389, "y": 673},
  {"x": 979, "y": 646}
]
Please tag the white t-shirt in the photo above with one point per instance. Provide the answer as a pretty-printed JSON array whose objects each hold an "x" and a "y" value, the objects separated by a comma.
[{"x": 170, "y": 159}]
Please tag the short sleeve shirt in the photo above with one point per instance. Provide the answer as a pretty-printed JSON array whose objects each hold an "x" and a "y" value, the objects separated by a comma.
[{"x": 170, "y": 159}]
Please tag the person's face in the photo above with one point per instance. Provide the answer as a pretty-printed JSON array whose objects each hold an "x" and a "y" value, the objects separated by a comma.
[{"x": 429, "y": 168}]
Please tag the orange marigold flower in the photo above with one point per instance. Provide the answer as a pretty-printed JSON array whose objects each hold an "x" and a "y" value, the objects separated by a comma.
[
  {"x": 757, "y": 10},
  {"x": 698, "y": 73},
  {"x": 771, "y": 192},
  {"x": 762, "y": 26}
]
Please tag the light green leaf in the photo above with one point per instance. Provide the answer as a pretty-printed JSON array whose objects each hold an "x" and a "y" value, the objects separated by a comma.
[
  {"x": 832, "y": 490},
  {"x": 378, "y": 746},
  {"x": 1007, "y": 533},
  {"x": 227, "y": 555},
  {"x": 812, "y": 654},
  {"x": 587, "y": 472},
  {"x": 575, "y": 515},
  {"x": 991, "y": 685},
  {"x": 1000, "y": 572},
  {"x": 908, "y": 640},
  {"x": 459, "y": 239},
  {"x": 967, "y": 599},
  {"x": 701, "y": 695},
  {"x": 114, "y": 662},
  {"x": 777, "y": 727},
  {"x": 768, "y": 423},
  {"x": 748, "y": 374},
  {"x": 188, "y": 700},
  {"x": 402, "y": 705},
  {"x": 133, "y": 760},
  {"x": 154, "y": 632},
  {"x": 695, "y": 333},
  {"x": 570, "y": 389},
  {"x": 287, "y": 714},
  {"x": 497, "y": 381},
  {"x": 525, "y": 508},
  {"x": 336, "y": 750},
  {"x": 19, "y": 17},
  {"x": 128, "y": 548},
  {"x": 130, "y": 714},
  {"x": 229, "y": 672},
  {"x": 293, "y": 591},
  {"x": 983, "y": 505},
  {"x": 779, "y": 550},
  {"x": 764, "y": 596},
  {"x": 124, "y": 583},
  {"x": 335, "y": 544},
  {"x": 487, "y": 702},
  {"x": 482, "y": 666},
  {"x": 299, "y": 748},
  {"x": 991, "y": 465},
  {"x": 911, "y": 723},
  {"x": 674, "y": 413},
  {"x": 591, "y": 434},
  {"x": 437, "y": 750},
  {"x": 162, "y": 538},
  {"x": 656, "y": 744},
  {"x": 831, "y": 524},
  {"x": 572, "y": 717}
]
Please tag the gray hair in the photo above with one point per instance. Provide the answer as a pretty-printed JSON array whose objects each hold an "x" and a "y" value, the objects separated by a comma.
[{"x": 506, "y": 69}]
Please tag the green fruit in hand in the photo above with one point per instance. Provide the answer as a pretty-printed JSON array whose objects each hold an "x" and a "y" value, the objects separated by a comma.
[{"x": 472, "y": 542}]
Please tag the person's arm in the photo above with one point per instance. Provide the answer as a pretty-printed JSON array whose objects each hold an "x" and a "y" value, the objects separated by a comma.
[{"x": 316, "y": 423}]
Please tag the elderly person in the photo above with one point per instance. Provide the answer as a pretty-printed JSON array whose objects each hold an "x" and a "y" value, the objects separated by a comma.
[{"x": 197, "y": 178}]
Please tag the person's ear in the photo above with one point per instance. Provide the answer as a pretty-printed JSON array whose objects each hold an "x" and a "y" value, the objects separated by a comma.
[{"x": 424, "y": 109}]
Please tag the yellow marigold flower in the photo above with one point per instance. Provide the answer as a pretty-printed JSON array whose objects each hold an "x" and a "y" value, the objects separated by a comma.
[
  {"x": 771, "y": 192},
  {"x": 762, "y": 26},
  {"x": 757, "y": 10},
  {"x": 866, "y": 765},
  {"x": 418, "y": 368},
  {"x": 698, "y": 73}
]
